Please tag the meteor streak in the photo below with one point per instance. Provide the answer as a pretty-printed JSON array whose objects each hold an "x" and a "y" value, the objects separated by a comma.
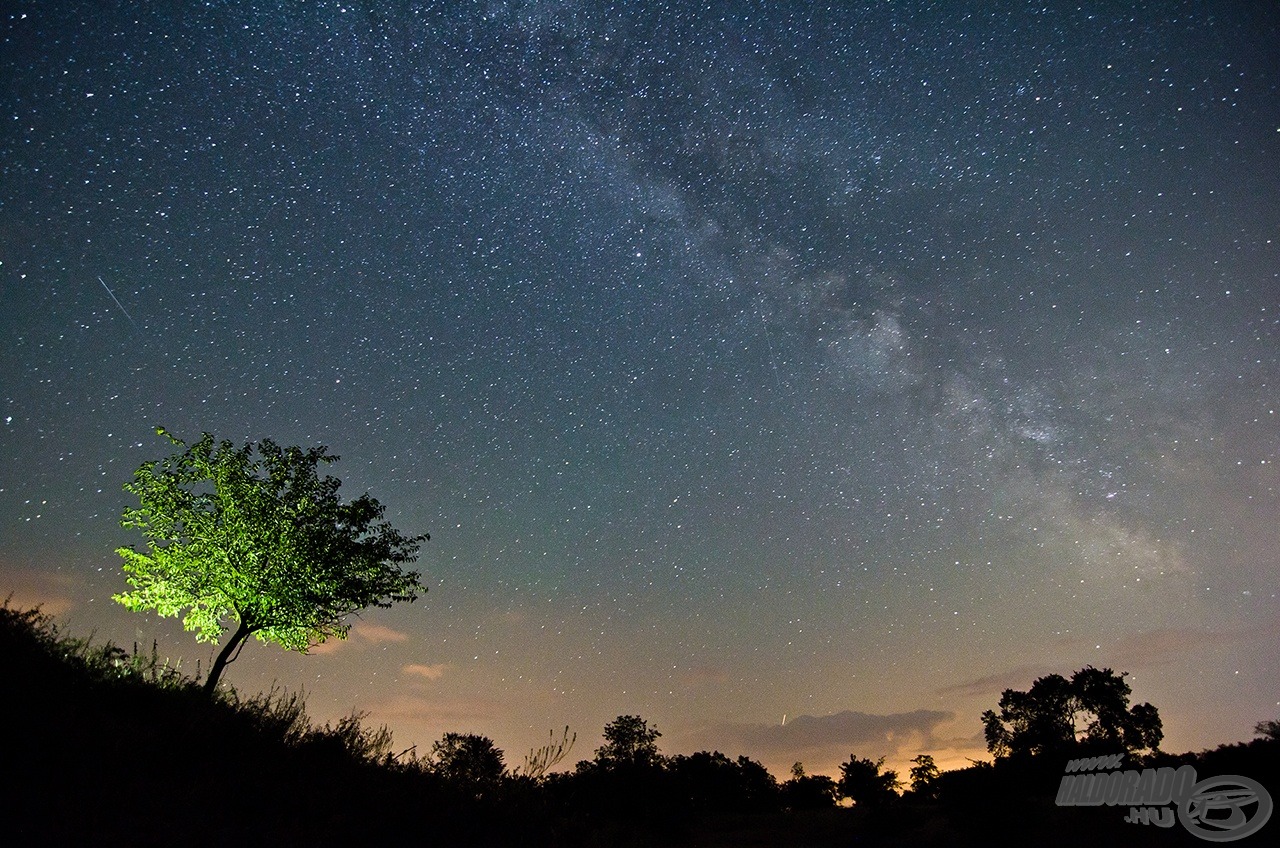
[{"x": 136, "y": 328}]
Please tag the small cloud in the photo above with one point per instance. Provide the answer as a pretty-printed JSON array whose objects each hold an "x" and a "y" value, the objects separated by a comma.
[
  {"x": 329, "y": 646},
  {"x": 1022, "y": 676},
  {"x": 430, "y": 672},
  {"x": 54, "y": 605},
  {"x": 1166, "y": 644},
  {"x": 362, "y": 633},
  {"x": 377, "y": 633},
  {"x": 27, "y": 588},
  {"x": 434, "y": 712},
  {"x": 1141, "y": 649}
]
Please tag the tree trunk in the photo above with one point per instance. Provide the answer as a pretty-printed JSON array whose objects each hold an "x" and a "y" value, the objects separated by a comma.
[{"x": 224, "y": 656}]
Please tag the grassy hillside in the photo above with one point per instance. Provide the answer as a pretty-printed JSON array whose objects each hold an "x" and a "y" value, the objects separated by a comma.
[
  {"x": 114, "y": 748},
  {"x": 108, "y": 747}
]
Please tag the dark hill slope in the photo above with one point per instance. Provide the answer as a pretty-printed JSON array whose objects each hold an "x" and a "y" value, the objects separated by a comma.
[{"x": 110, "y": 748}]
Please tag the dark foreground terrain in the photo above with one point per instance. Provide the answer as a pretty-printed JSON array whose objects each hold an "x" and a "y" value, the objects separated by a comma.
[{"x": 106, "y": 747}]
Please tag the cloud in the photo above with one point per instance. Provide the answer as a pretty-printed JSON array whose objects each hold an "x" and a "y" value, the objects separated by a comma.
[
  {"x": 377, "y": 633},
  {"x": 1167, "y": 644},
  {"x": 843, "y": 730},
  {"x": 1141, "y": 649},
  {"x": 430, "y": 672},
  {"x": 823, "y": 742},
  {"x": 1022, "y": 676},
  {"x": 28, "y": 588},
  {"x": 435, "y": 712},
  {"x": 362, "y": 633}
]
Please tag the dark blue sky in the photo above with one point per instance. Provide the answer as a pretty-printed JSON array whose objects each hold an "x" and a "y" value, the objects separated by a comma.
[{"x": 742, "y": 360}]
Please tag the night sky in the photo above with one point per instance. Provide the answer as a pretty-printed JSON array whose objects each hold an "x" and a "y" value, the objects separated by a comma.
[{"x": 848, "y": 364}]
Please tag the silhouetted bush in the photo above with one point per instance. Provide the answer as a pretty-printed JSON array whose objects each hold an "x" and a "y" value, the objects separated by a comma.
[
  {"x": 712, "y": 782},
  {"x": 808, "y": 791}
]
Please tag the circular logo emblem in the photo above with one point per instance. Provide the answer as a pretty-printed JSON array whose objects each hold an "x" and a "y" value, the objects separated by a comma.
[{"x": 1225, "y": 808}]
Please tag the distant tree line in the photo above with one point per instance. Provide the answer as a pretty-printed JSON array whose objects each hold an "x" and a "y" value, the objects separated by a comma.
[{"x": 103, "y": 728}]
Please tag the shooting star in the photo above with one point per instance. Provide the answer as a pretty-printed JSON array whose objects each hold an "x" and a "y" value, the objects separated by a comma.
[
  {"x": 773, "y": 359},
  {"x": 136, "y": 328}
]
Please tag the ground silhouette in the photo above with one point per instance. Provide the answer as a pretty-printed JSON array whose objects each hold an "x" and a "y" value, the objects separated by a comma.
[{"x": 114, "y": 747}]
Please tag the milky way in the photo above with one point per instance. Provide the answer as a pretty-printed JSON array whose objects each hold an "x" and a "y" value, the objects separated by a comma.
[{"x": 741, "y": 360}]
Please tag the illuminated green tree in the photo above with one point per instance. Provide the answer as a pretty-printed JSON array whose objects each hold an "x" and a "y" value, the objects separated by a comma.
[{"x": 261, "y": 545}]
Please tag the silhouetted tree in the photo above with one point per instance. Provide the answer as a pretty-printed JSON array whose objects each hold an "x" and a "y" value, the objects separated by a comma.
[
  {"x": 808, "y": 791},
  {"x": 1039, "y": 720},
  {"x": 1268, "y": 730},
  {"x": 626, "y": 783},
  {"x": 1102, "y": 704},
  {"x": 760, "y": 788},
  {"x": 469, "y": 761},
  {"x": 864, "y": 782},
  {"x": 710, "y": 781},
  {"x": 1046, "y": 719},
  {"x": 629, "y": 742},
  {"x": 924, "y": 778},
  {"x": 264, "y": 543}
]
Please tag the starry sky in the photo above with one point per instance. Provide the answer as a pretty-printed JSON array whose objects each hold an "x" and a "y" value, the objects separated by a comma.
[{"x": 794, "y": 376}]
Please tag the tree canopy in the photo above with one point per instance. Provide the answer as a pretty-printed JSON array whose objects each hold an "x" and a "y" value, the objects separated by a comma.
[
  {"x": 862, "y": 780},
  {"x": 629, "y": 742},
  {"x": 924, "y": 777},
  {"x": 808, "y": 791},
  {"x": 1057, "y": 715},
  {"x": 710, "y": 780},
  {"x": 468, "y": 760},
  {"x": 254, "y": 537}
]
